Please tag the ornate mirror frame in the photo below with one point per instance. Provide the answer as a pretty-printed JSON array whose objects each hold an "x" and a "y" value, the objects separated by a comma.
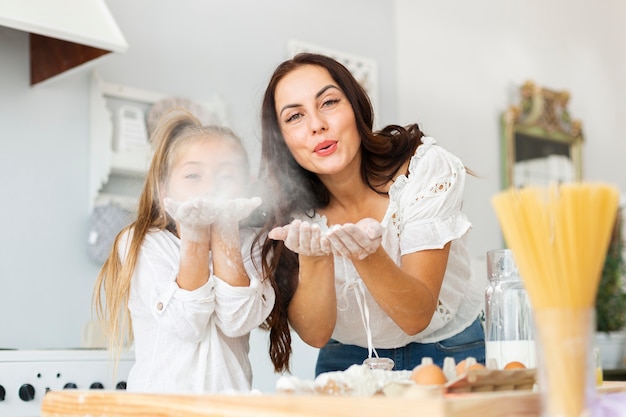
[{"x": 540, "y": 142}]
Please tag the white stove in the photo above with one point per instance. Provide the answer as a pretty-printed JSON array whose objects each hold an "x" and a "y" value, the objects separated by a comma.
[{"x": 26, "y": 376}]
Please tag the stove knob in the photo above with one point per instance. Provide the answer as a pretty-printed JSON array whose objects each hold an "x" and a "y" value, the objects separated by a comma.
[
  {"x": 96, "y": 385},
  {"x": 121, "y": 385},
  {"x": 2, "y": 393},
  {"x": 27, "y": 392},
  {"x": 70, "y": 385}
]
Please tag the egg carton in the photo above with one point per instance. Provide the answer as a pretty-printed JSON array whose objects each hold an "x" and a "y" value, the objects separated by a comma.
[
  {"x": 481, "y": 380},
  {"x": 489, "y": 378},
  {"x": 476, "y": 379}
]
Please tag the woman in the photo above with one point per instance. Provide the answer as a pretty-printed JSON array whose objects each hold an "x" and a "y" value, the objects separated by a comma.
[
  {"x": 365, "y": 234},
  {"x": 178, "y": 273}
]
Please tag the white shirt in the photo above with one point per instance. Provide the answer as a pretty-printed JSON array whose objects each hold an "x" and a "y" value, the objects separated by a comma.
[
  {"x": 424, "y": 212},
  {"x": 191, "y": 341}
]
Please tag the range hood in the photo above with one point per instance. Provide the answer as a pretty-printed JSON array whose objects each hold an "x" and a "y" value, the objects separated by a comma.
[{"x": 64, "y": 34}]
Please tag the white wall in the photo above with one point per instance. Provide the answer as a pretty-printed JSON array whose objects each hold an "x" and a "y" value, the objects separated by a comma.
[
  {"x": 460, "y": 64},
  {"x": 46, "y": 277},
  {"x": 200, "y": 48}
]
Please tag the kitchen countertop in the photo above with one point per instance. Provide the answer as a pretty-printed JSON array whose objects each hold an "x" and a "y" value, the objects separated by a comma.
[{"x": 73, "y": 403}]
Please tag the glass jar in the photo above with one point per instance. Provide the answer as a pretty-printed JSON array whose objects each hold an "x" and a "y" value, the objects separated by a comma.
[{"x": 509, "y": 327}]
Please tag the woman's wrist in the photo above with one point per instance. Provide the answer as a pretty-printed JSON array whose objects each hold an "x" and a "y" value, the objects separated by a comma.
[{"x": 316, "y": 261}]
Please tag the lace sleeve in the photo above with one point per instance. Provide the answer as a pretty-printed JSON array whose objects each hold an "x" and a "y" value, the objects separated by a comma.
[{"x": 430, "y": 199}]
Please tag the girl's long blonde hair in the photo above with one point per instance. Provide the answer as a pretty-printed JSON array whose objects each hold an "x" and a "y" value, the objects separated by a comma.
[{"x": 112, "y": 288}]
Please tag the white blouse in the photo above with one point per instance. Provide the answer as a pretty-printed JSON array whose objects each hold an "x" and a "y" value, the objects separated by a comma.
[
  {"x": 191, "y": 341},
  {"x": 424, "y": 212}
]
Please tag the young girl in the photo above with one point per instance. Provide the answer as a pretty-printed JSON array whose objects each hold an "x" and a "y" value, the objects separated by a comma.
[
  {"x": 179, "y": 281},
  {"x": 368, "y": 229}
]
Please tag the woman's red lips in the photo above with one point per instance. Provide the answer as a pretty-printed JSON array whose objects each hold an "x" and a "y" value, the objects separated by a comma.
[{"x": 325, "y": 148}]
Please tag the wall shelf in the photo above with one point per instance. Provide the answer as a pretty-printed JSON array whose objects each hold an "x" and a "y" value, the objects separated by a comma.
[{"x": 132, "y": 163}]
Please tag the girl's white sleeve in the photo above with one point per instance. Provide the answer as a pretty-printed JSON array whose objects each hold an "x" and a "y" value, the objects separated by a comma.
[
  {"x": 156, "y": 298},
  {"x": 239, "y": 310}
]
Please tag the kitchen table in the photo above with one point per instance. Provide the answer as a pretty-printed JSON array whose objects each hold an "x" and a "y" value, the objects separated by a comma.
[{"x": 74, "y": 403}]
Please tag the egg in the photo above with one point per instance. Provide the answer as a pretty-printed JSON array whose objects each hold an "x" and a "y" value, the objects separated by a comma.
[
  {"x": 514, "y": 365},
  {"x": 468, "y": 364},
  {"x": 476, "y": 366},
  {"x": 460, "y": 367},
  {"x": 428, "y": 374}
]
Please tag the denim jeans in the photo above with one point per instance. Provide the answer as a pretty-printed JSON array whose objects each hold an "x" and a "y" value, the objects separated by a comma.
[{"x": 336, "y": 356}]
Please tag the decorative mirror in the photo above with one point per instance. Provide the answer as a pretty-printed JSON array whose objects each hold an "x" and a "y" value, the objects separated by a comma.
[{"x": 541, "y": 144}]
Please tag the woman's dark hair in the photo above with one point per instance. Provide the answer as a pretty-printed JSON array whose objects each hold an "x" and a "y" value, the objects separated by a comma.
[{"x": 289, "y": 188}]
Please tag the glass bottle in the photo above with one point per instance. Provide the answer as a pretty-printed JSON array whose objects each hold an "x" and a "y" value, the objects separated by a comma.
[{"x": 509, "y": 327}]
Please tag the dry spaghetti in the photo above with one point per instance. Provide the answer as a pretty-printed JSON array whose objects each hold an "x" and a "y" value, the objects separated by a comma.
[{"x": 560, "y": 235}]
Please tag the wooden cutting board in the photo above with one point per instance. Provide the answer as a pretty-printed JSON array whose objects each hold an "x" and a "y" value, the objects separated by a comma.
[
  {"x": 74, "y": 403},
  {"x": 120, "y": 404}
]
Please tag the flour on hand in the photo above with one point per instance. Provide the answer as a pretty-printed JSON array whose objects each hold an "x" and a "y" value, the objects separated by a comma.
[
  {"x": 356, "y": 241},
  {"x": 196, "y": 215},
  {"x": 239, "y": 208},
  {"x": 302, "y": 237}
]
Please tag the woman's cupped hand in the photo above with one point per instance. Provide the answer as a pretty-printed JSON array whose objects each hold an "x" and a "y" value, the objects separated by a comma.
[{"x": 354, "y": 241}]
